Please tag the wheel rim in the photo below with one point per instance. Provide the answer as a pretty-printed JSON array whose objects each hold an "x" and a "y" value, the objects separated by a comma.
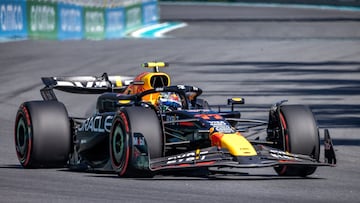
[
  {"x": 22, "y": 140},
  {"x": 282, "y": 169},
  {"x": 284, "y": 126},
  {"x": 118, "y": 145}
]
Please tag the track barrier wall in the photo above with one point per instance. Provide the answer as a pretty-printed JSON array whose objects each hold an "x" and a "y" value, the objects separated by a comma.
[
  {"x": 342, "y": 3},
  {"x": 50, "y": 19}
]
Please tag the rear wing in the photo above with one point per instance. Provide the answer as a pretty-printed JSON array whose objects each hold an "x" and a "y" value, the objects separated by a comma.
[{"x": 84, "y": 85}]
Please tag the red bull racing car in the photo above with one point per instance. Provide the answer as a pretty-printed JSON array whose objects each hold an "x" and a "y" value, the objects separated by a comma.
[{"x": 145, "y": 125}]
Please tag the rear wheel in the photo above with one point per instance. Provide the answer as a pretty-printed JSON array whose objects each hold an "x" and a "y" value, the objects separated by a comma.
[
  {"x": 301, "y": 136},
  {"x": 135, "y": 131},
  {"x": 42, "y": 134}
]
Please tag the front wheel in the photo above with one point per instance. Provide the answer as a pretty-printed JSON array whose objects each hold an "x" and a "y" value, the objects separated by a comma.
[
  {"x": 135, "y": 137},
  {"x": 300, "y": 136}
]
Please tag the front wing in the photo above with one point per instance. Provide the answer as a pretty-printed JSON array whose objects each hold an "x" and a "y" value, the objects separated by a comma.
[{"x": 217, "y": 157}]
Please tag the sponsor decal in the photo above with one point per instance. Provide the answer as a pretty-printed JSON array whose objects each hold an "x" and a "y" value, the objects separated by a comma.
[
  {"x": 159, "y": 89},
  {"x": 11, "y": 16},
  {"x": 282, "y": 155},
  {"x": 186, "y": 157},
  {"x": 221, "y": 126},
  {"x": 115, "y": 22},
  {"x": 150, "y": 13},
  {"x": 97, "y": 124},
  {"x": 43, "y": 18},
  {"x": 209, "y": 116},
  {"x": 133, "y": 17},
  {"x": 94, "y": 21},
  {"x": 70, "y": 21},
  {"x": 139, "y": 141},
  {"x": 88, "y": 84},
  {"x": 197, "y": 110},
  {"x": 13, "y": 21},
  {"x": 182, "y": 87}
]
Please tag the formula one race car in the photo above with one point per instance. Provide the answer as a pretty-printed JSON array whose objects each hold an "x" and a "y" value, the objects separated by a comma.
[{"x": 144, "y": 125}]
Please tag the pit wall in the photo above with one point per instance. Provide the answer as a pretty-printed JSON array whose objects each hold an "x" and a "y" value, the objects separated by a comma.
[{"x": 51, "y": 19}]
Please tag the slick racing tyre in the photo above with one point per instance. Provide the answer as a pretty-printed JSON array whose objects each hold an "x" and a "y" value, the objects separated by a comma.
[
  {"x": 301, "y": 136},
  {"x": 135, "y": 131},
  {"x": 42, "y": 134}
]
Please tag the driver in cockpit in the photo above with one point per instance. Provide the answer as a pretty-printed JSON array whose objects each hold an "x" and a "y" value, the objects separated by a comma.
[{"x": 169, "y": 101}]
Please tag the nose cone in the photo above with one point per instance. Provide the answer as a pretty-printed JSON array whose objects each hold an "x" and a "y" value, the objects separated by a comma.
[{"x": 234, "y": 142}]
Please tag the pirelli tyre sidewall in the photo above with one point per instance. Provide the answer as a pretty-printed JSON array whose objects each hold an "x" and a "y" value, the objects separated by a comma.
[
  {"x": 301, "y": 136},
  {"x": 120, "y": 145},
  {"x": 135, "y": 123},
  {"x": 23, "y": 136},
  {"x": 42, "y": 134}
]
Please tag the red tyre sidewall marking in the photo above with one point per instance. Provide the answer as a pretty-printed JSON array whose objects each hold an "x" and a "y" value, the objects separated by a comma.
[
  {"x": 126, "y": 162},
  {"x": 25, "y": 113},
  {"x": 287, "y": 146},
  {"x": 127, "y": 131},
  {"x": 127, "y": 152}
]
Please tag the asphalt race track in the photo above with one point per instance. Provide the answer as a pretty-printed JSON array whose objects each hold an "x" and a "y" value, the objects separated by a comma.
[{"x": 265, "y": 55}]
